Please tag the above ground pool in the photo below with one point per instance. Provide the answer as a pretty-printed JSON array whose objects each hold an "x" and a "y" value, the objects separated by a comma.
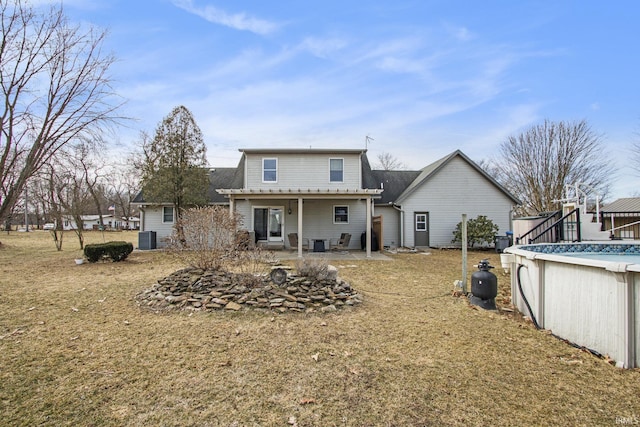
[{"x": 587, "y": 293}]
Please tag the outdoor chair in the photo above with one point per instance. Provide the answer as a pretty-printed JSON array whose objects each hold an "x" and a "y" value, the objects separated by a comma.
[
  {"x": 293, "y": 242},
  {"x": 341, "y": 244}
]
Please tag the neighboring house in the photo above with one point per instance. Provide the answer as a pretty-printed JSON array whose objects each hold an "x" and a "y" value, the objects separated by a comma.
[
  {"x": 322, "y": 193},
  {"x": 92, "y": 222},
  {"x": 622, "y": 215}
]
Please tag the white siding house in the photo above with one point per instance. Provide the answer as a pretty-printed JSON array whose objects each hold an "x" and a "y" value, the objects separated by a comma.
[
  {"x": 452, "y": 187},
  {"x": 319, "y": 194}
]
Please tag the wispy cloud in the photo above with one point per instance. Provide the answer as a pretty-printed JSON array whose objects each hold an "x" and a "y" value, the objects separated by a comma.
[
  {"x": 322, "y": 48},
  {"x": 238, "y": 21}
]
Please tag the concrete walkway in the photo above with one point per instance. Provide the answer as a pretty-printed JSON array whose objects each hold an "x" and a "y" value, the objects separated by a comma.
[{"x": 333, "y": 255}]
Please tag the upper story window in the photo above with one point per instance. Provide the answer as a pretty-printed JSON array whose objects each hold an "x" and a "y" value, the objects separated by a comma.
[
  {"x": 269, "y": 170},
  {"x": 167, "y": 214},
  {"x": 336, "y": 170}
]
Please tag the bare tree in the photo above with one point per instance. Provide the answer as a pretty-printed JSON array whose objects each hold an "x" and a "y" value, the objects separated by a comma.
[
  {"x": 51, "y": 199},
  {"x": 55, "y": 90},
  {"x": 91, "y": 167},
  {"x": 537, "y": 164},
  {"x": 124, "y": 184},
  {"x": 388, "y": 162}
]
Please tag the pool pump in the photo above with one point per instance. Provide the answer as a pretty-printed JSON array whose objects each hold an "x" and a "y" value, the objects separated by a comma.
[{"x": 484, "y": 286}]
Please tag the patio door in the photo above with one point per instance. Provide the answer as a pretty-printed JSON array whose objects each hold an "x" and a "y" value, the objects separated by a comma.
[
  {"x": 421, "y": 229},
  {"x": 268, "y": 224}
]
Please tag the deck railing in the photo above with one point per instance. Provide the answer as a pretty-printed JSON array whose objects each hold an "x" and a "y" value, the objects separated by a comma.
[
  {"x": 625, "y": 231},
  {"x": 554, "y": 229}
]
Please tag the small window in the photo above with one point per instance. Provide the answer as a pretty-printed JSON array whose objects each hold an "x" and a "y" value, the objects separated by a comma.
[
  {"x": 336, "y": 170},
  {"x": 421, "y": 222},
  {"x": 269, "y": 170},
  {"x": 167, "y": 214},
  {"x": 341, "y": 214}
]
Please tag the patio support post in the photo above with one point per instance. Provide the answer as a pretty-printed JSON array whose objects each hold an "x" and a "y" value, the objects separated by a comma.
[
  {"x": 231, "y": 205},
  {"x": 300, "y": 227},
  {"x": 368, "y": 201}
]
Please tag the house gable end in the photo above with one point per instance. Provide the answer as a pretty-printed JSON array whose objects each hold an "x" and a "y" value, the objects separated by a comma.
[{"x": 431, "y": 170}]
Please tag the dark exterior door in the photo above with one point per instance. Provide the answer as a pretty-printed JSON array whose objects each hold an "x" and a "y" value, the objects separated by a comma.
[{"x": 421, "y": 228}]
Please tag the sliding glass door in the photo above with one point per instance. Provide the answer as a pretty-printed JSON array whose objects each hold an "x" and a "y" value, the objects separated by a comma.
[{"x": 268, "y": 224}]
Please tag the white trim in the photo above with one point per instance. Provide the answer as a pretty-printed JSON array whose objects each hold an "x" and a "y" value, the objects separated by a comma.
[
  {"x": 269, "y": 208},
  {"x": 173, "y": 215},
  {"x": 334, "y": 214},
  {"x": 421, "y": 222},
  {"x": 263, "y": 170},
  {"x": 342, "y": 160}
]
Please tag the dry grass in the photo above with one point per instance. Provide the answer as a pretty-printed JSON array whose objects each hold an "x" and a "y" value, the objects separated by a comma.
[{"x": 75, "y": 350}]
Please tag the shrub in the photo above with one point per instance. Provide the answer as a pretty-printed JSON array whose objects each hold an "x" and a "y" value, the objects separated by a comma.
[
  {"x": 117, "y": 251},
  {"x": 479, "y": 231},
  {"x": 208, "y": 238}
]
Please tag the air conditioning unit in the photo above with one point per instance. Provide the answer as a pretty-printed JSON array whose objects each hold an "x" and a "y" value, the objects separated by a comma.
[{"x": 147, "y": 240}]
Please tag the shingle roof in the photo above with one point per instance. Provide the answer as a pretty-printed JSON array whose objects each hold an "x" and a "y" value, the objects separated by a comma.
[
  {"x": 218, "y": 178},
  {"x": 394, "y": 183},
  {"x": 224, "y": 178},
  {"x": 628, "y": 204}
]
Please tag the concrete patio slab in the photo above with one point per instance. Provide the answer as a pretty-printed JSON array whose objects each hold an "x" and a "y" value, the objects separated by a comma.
[{"x": 333, "y": 255}]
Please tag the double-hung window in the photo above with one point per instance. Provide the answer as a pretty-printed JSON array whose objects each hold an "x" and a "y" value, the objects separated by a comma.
[
  {"x": 341, "y": 214},
  {"x": 336, "y": 170},
  {"x": 167, "y": 214},
  {"x": 269, "y": 170}
]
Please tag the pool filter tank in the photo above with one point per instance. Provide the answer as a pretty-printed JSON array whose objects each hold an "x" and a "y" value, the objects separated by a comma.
[{"x": 484, "y": 286}]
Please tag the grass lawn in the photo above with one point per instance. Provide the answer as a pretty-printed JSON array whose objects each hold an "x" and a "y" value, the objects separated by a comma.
[{"x": 76, "y": 350}]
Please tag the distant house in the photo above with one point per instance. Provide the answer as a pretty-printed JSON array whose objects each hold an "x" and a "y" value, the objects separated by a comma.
[
  {"x": 623, "y": 216},
  {"x": 92, "y": 222},
  {"x": 320, "y": 194}
]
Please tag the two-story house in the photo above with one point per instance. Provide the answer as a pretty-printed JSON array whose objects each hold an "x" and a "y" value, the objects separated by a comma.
[{"x": 319, "y": 194}]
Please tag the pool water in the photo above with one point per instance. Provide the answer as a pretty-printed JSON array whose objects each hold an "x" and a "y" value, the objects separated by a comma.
[{"x": 630, "y": 259}]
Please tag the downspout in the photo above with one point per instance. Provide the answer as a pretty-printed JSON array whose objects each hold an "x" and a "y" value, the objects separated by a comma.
[
  {"x": 142, "y": 218},
  {"x": 399, "y": 209}
]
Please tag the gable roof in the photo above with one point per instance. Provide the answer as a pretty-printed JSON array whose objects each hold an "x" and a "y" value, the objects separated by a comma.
[
  {"x": 627, "y": 204},
  {"x": 396, "y": 184},
  {"x": 431, "y": 170}
]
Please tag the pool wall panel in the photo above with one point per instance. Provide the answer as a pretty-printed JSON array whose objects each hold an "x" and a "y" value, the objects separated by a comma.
[{"x": 591, "y": 303}]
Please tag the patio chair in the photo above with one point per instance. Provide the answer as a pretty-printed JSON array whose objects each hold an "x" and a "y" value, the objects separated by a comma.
[
  {"x": 341, "y": 244},
  {"x": 293, "y": 242}
]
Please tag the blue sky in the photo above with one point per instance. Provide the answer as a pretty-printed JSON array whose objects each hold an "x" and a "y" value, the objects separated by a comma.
[{"x": 421, "y": 77}]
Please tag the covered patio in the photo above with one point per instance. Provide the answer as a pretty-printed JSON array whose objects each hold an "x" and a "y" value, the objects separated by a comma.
[{"x": 299, "y": 197}]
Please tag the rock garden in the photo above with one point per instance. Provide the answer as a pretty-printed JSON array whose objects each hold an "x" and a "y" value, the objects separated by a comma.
[{"x": 281, "y": 291}]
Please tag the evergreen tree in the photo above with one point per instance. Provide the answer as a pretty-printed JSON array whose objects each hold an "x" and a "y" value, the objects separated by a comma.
[{"x": 174, "y": 169}]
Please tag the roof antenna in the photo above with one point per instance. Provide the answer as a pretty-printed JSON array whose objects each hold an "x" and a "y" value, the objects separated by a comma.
[{"x": 366, "y": 141}]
